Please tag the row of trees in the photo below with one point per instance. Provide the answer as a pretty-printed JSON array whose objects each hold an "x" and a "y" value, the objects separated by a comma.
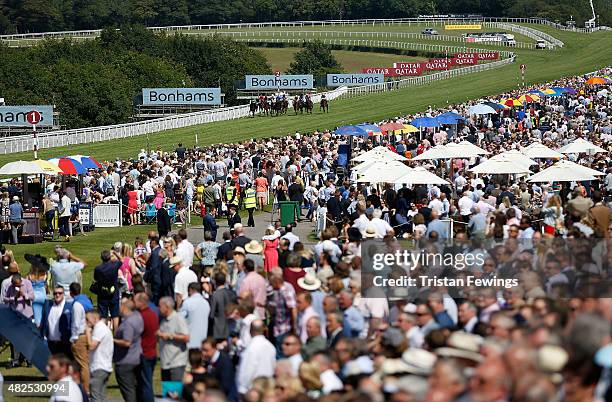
[
  {"x": 97, "y": 82},
  {"x": 55, "y": 15}
]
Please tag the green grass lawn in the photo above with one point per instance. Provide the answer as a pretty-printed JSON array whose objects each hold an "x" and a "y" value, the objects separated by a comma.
[
  {"x": 280, "y": 58},
  {"x": 582, "y": 53}
]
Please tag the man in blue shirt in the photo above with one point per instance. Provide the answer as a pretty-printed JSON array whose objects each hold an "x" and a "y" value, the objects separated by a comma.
[
  {"x": 15, "y": 217},
  {"x": 196, "y": 311},
  {"x": 436, "y": 225}
]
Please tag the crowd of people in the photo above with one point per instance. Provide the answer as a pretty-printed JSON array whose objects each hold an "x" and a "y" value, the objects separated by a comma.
[{"x": 279, "y": 317}]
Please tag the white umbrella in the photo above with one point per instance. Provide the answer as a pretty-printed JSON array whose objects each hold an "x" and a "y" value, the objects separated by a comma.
[
  {"x": 474, "y": 147},
  {"x": 517, "y": 157},
  {"x": 481, "y": 108},
  {"x": 581, "y": 146},
  {"x": 420, "y": 175},
  {"x": 21, "y": 167},
  {"x": 440, "y": 152},
  {"x": 465, "y": 150},
  {"x": 565, "y": 171},
  {"x": 380, "y": 153},
  {"x": 384, "y": 172},
  {"x": 541, "y": 151},
  {"x": 500, "y": 165}
]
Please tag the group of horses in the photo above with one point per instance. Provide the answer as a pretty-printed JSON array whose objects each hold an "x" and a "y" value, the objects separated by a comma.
[{"x": 278, "y": 106}]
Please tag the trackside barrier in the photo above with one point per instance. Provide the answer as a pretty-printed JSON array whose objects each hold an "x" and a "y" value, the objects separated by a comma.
[
  {"x": 528, "y": 32},
  {"x": 61, "y": 138},
  {"x": 435, "y": 21}
]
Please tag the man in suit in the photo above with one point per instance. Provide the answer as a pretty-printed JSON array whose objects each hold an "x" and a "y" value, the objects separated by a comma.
[
  {"x": 164, "y": 225},
  {"x": 153, "y": 268},
  {"x": 233, "y": 217},
  {"x": 209, "y": 223},
  {"x": 56, "y": 322},
  {"x": 240, "y": 240},
  {"x": 600, "y": 216},
  {"x": 334, "y": 328},
  {"x": 226, "y": 247},
  {"x": 220, "y": 366}
]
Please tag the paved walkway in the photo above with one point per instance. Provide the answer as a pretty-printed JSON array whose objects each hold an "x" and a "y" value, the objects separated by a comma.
[{"x": 195, "y": 233}]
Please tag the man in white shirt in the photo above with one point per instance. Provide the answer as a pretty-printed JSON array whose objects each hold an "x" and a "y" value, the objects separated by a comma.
[
  {"x": 305, "y": 312},
  {"x": 407, "y": 323},
  {"x": 436, "y": 204},
  {"x": 382, "y": 227},
  {"x": 328, "y": 378},
  {"x": 291, "y": 351},
  {"x": 64, "y": 215},
  {"x": 100, "y": 341},
  {"x": 58, "y": 371},
  {"x": 53, "y": 327},
  {"x": 465, "y": 206},
  {"x": 290, "y": 236},
  {"x": 362, "y": 221},
  {"x": 184, "y": 276},
  {"x": 185, "y": 249},
  {"x": 260, "y": 350}
]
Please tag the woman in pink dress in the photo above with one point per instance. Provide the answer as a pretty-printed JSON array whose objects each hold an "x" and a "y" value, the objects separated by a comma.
[
  {"x": 132, "y": 208},
  {"x": 270, "y": 241},
  {"x": 159, "y": 198}
]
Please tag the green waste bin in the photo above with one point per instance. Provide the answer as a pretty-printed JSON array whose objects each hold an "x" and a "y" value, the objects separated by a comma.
[{"x": 288, "y": 212}]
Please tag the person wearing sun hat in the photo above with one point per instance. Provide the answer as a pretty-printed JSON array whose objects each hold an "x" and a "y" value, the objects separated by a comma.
[{"x": 254, "y": 252}]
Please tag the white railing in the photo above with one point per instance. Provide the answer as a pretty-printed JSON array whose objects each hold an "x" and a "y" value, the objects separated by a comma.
[
  {"x": 351, "y": 34},
  {"x": 528, "y": 32},
  {"x": 360, "y": 22},
  {"x": 52, "y": 139}
]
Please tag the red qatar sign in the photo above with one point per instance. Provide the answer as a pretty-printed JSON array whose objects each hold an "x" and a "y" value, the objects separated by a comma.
[
  {"x": 488, "y": 56},
  {"x": 465, "y": 55},
  {"x": 463, "y": 61},
  {"x": 394, "y": 72},
  {"x": 406, "y": 65},
  {"x": 443, "y": 64}
]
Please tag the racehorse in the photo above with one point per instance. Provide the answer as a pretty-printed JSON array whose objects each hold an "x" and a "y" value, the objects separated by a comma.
[
  {"x": 324, "y": 105},
  {"x": 308, "y": 104},
  {"x": 297, "y": 105},
  {"x": 264, "y": 106},
  {"x": 253, "y": 108}
]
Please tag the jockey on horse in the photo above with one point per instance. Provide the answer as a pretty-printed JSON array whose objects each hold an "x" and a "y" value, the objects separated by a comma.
[{"x": 324, "y": 105}]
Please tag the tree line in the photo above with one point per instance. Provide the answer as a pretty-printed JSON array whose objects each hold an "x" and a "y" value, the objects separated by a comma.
[
  {"x": 98, "y": 82},
  {"x": 23, "y": 16}
]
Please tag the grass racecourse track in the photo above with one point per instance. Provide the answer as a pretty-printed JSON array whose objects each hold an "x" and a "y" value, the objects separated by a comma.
[{"x": 280, "y": 58}]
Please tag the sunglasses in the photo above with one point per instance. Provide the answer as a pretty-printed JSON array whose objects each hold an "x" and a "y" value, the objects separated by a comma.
[{"x": 58, "y": 293}]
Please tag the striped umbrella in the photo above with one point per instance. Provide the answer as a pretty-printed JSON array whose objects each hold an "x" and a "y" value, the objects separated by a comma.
[
  {"x": 87, "y": 161},
  {"x": 529, "y": 98},
  {"x": 511, "y": 102},
  {"x": 69, "y": 166}
]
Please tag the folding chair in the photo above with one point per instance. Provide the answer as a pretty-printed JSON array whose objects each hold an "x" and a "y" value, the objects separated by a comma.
[
  {"x": 172, "y": 212},
  {"x": 150, "y": 213}
]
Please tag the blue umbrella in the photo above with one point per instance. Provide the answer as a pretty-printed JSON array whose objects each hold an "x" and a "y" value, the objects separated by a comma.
[
  {"x": 370, "y": 128},
  {"x": 352, "y": 130},
  {"x": 25, "y": 337},
  {"x": 496, "y": 106},
  {"x": 449, "y": 118},
  {"x": 560, "y": 89},
  {"x": 424, "y": 122},
  {"x": 570, "y": 90}
]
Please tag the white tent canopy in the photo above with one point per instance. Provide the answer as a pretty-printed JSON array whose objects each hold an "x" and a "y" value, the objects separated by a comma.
[
  {"x": 500, "y": 165},
  {"x": 565, "y": 171},
  {"x": 581, "y": 145},
  {"x": 383, "y": 172},
  {"x": 441, "y": 152},
  {"x": 541, "y": 151},
  {"x": 420, "y": 175},
  {"x": 22, "y": 167},
  {"x": 517, "y": 157},
  {"x": 473, "y": 147},
  {"x": 465, "y": 149},
  {"x": 379, "y": 153}
]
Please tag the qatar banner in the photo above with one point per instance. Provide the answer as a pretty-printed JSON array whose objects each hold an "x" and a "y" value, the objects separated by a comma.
[
  {"x": 442, "y": 64},
  {"x": 406, "y": 65},
  {"x": 463, "y": 61},
  {"x": 394, "y": 72},
  {"x": 487, "y": 56},
  {"x": 464, "y": 55}
]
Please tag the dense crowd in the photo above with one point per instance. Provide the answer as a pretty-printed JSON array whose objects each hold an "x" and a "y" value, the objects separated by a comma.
[{"x": 274, "y": 319}]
